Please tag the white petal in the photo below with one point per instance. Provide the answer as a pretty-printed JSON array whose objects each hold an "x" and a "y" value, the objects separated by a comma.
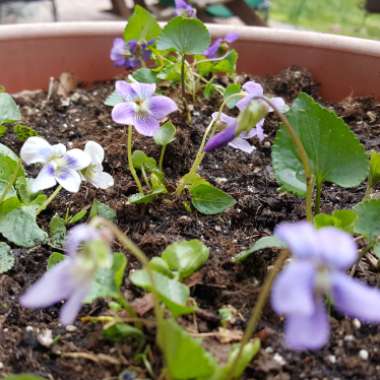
[
  {"x": 70, "y": 180},
  {"x": 58, "y": 150},
  {"x": 102, "y": 180},
  {"x": 95, "y": 151},
  {"x": 77, "y": 159},
  {"x": 35, "y": 150},
  {"x": 44, "y": 180},
  {"x": 241, "y": 144}
]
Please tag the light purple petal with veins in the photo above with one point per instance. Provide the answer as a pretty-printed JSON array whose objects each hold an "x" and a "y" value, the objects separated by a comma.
[
  {"x": 242, "y": 144},
  {"x": 280, "y": 104},
  {"x": 52, "y": 287},
  {"x": 44, "y": 180},
  {"x": 212, "y": 50},
  {"x": 253, "y": 89},
  {"x": 307, "y": 332},
  {"x": 124, "y": 113},
  {"x": 354, "y": 298},
  {"x": 337, "y": 248},
  {"x": 117, "y": 54},
  {"x": 143, "y": 90},
  {"x": 78, "y": 235},
  {"x": 161, "y": 106},
  {"x": 71, "y": 308},
  {"x": 125, "y": 90},
  {"x": 301, "y": 239},
  {"x": 293, "y": 289},
  {"x": 146, "y": 124}
]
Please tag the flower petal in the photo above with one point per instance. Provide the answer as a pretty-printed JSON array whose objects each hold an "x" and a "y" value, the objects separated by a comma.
[
  {"x": 124, "y": 113},
  {"x": 228, "y": 120},
  {"x": 117, "y": 52},
  {"x": 44, "y": 180},
  {"x": 253, "y": 88},
  {"x": 355, "y": 298},
  {"x": 280, "y": 104},
  {"x": 69, "y": 179},
  {"x": 161, "y": 106},
  {"x": 125, "y": 89},
  {"x": 241, "y": 144},
  {"x": 143, "y": 90},
  {"x": 300, "y": 237},
  {"x": 212, "y": 50},
  {"x": 78, "y": 235},
  {"x": 231, "y": 37},
  {"x": 293, "y": 290},
  {"x": 35, "y": 150},
  {"x": 146, "y": 124},
  {"x": 257, "y": 131},
  {"x": 244, "y": 102},
  {"x": 307, "y": 332},
  {"x": 221, "y": 139},
  {"x": 95, "y": 151},
  {"x": 52, "y": 287},
  {"x": 77, "y": 159},
  {"x": 71, "y": 308},
  {"x": 102, "y": 180},
  {"x": 337, "y": 248}
]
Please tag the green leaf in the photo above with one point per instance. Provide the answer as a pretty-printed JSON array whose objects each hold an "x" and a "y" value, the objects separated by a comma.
[
  {"x": 121, "y": 331},
  {"x": 165, "y": 134},
  {"x": 9, "y": 110},
  {"x": 7, "y": 260},
  {"x": 374, "y": 168},
  {"x": 226, "y": 65},
  {"x": 184, "y": 35},
  {"x": 77, "y": 217},
  {"x": 335, "y": 153},
  {"x": 160, "y": 265},
  {"x": 24, "y": 376},
  {"x": 54, "y": 259},
  {"x": 262, "y": 243},
  {"x": 57, "y": 231},
  {"x": 141, "y": 26},
  {"x": 144, "y": 75},
  {"x": 143, "y": 199},
  {"x": 209, "y": 90},
  {"x": 171, "y": 292},
  {"x": 210, "y": 200},
  {"x": 184, "y": 356},
  {"x": 101, "y": 209},
  {"x": 23, "y": 132},
  {"x": 114, "y": 99},
  {"x": 231, "y": 90},
  {"x": 20, "y": 227},
  {"x": 3, "y": 130},
  {"x": 108, "y": 281},
  {"x": 186, "y": 256},
  {"x": 342, "y": 219},
  {"x": 5, "y": 151},
  {"x": 368, "y": 222},
  {"x": 140, "y": 159}
]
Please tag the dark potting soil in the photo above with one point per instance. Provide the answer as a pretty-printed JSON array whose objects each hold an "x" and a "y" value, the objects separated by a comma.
[{"x": 81, "y": 352}]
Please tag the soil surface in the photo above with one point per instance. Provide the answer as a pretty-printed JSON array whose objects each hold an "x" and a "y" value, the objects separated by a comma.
[{"x": 80, "y": 351}]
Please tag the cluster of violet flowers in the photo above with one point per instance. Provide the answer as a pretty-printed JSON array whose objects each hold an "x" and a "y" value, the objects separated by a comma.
[{"x": 68, "y": 168}]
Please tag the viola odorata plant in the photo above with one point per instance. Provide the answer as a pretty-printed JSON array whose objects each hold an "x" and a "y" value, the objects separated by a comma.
[
  {"x": 87, "y": 251},
  {"x": 220, "y": 46},
  {"x": 317, "y": 271}
]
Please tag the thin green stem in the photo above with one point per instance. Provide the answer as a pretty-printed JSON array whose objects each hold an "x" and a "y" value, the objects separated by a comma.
[
  {"x": 317, "y": 204},
  {"x": 183, "y": 89},
  {"x": 11, "y": 182},
  {"x": 130, "y": 161},
  {"x": 258, "y": 309},
  {"x": 302, "y": 156},
  {"x": 146, "y": 179},
  {"x": 162, "y": 155},
  {"x": 49, "y": 200}
]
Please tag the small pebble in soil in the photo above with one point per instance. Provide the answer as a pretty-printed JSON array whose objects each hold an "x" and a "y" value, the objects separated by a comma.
[
  {"x": 363, "y": 354},
  {"x": 70, "y": 328},
  {"x": 269, "y": 350},
  {"x": 331, "y": 359},
  {"x": 279, "y": 359},
  {"x": 29, "y": 328},
  {"x": 218, "y": 228},
  {"x": 349, "y": 338},
  {"x": 356, "y": 323},
  {"x": 45, "y": 338},
  {"x": 1, "y": 365},
  {"x": 220, "y": 180}
]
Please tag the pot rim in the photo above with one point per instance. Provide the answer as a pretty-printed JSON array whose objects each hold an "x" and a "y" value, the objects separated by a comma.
[{"x": 326, "y": 41}]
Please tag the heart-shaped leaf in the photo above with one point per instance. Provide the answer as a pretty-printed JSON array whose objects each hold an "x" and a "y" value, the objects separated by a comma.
[
  {"x": 165, "y": 134},
  {"x": 7, "y": 260},
  {"x": 9, "y": 110},
  {"x": 368, "y": 222}
]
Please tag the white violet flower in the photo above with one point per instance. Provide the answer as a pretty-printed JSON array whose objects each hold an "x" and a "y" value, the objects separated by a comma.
[{"x": 94, "y": 172}]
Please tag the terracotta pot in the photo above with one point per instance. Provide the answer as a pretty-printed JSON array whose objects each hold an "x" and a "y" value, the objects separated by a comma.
[{"x": 31, "y": 54}]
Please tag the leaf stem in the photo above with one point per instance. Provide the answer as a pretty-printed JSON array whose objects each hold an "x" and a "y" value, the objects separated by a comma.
[
  {"x": 161, "y": 160},
  {"x": 317, "y": 204},
  {"x": 258, "y": 309},
  {"x": 130, "y": 161},
  {"x": 49, "y": 200},
  {"x": 183, "y": 90},
  {"x": 300, "y": 149}
]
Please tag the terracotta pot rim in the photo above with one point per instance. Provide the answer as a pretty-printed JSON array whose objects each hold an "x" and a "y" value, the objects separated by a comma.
[{"x": 90, "y": 29}]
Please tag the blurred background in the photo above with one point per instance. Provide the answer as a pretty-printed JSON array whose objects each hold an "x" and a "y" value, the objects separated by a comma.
[{"x": 359, "y": 18}]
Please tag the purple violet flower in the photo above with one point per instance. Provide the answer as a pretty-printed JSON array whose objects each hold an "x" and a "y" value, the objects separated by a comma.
[
  {"x": 130, "y": 54},
  {"x": 317, "y": 269},
  {"x": 183, "y": 8},
  {"x": 228, "y": 135},
  {"x": 254, "y": 89},
  {"x": 219, "y": 45},
  {"x": 141, "y": 107},
  {"x": 71, "y": 279}
]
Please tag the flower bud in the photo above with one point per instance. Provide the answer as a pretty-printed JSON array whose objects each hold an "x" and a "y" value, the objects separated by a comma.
[{"x": 250, "y": 116}]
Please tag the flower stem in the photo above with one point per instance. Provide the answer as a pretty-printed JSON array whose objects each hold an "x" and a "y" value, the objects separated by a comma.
[
  {"x": 183, "y": 89},
  {"x": 258, "y": 309},
  {"x": 317, "y": 205},
  {"x": 161, "y": 161},
  {"x": 302, "y": 156},
  {"x": 49, "y": 200},
  {"x": 130, "y": 161},
  {"x": 11, "y": 182}
]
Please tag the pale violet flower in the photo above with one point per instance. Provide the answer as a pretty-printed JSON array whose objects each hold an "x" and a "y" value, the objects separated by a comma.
[
  {"x": 71, "y": 279},
  {"x": 320, "y": 259},
  {"x": 94, "y": 173},
  {"x": 231, "y": 137},
  {"x": 141, "y": 107},
  {"x": 183, "y": 8},
  {"x": 219, "y": 45},
  {"x": 59, "y": 165}
]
